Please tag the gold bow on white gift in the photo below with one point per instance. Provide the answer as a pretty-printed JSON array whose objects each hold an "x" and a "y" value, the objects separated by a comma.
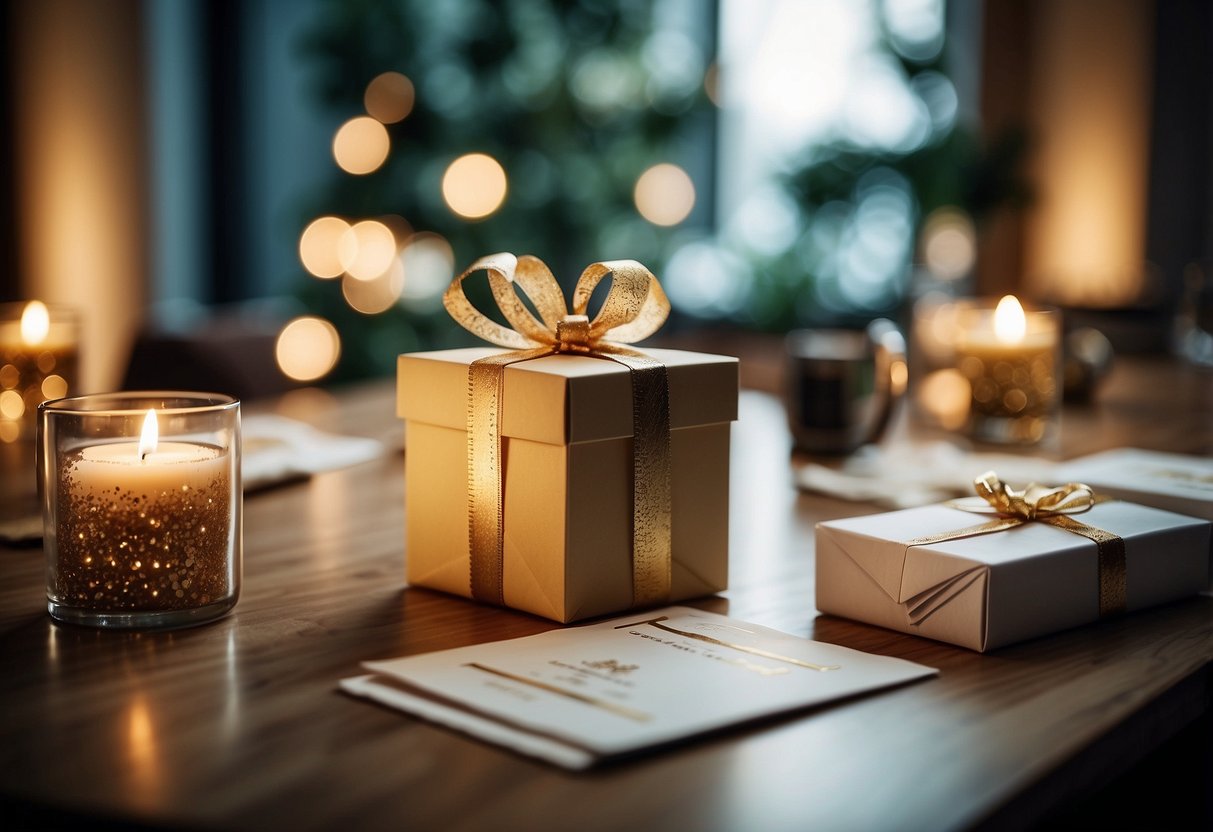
[{"x": 1053, "y": 506}]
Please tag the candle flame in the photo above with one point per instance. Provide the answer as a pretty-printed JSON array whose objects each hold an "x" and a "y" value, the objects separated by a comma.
[
  {"x": 35, "y": 323},
  {"x": 1010, "y": 325},
  {"x": 151, "y": 435}
]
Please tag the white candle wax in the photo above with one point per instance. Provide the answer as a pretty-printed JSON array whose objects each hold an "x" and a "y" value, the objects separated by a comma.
[{"x": 173, "y": 466}]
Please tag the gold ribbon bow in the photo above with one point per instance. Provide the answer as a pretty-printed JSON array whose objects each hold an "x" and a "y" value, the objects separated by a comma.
[
  {"x": 1051, "y": 505},
  {"x": 1035, "y": 501},
  {"x": 634, "y": 308}
]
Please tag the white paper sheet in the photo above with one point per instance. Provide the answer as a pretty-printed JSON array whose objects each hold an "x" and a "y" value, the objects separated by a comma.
[
  {"x": 582, "y": 694},
  {"x": 277, "y": 449}
]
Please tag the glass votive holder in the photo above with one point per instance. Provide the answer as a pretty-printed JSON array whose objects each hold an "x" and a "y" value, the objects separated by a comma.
[
  {"x": 939, "y": 394},
  {"x": 39, "y": 360},
  {"x": 141, "y": 508},
  {"x": 1011, "y": 358}
]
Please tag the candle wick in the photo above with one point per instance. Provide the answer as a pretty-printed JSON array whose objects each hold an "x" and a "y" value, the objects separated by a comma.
[{"x": 143, "y": 456}]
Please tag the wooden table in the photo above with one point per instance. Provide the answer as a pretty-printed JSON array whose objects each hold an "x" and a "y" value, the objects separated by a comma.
[{"x": 238, "y": 724}]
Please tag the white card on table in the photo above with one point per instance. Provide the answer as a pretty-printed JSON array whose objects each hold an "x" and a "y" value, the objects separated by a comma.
[{"x": 582, "y": 694}]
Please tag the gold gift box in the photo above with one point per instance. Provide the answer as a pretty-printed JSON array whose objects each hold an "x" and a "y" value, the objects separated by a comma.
[{"x": 566, "y": 425}]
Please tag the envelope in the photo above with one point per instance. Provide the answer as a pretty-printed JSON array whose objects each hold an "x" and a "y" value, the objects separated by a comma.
[
  {"x": 996, "y": 589},
  {"x": 1175, "y": 482}
]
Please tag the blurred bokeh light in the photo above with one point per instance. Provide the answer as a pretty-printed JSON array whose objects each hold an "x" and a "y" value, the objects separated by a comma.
[
  {"x": 320, "y": 247},
  {"x": 361, "y": 145},
  {"x": 429, "y": 265},
  {"x": 949, "y": 243},
  {"x": 54, "y": 386},
  {"x": 389, "y": 97},
  {"x": 12, "y": 406},
  {"x": 307, "y": 348},
  {"x": 370, "y": 297},
  {"x": 474, "y": 186},
  {"x": 945, "y": 396},
  {"x": 664, "y": 194},
  {"x": 367, "y": 249}
]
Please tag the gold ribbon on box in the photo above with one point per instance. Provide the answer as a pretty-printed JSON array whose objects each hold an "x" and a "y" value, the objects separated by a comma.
[
  {"x": 634, "y": 308},
  {"x": 1055, "y": 507}
]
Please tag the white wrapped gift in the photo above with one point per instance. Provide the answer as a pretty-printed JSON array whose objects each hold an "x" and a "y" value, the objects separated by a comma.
[{"x": 918, "y": 572}]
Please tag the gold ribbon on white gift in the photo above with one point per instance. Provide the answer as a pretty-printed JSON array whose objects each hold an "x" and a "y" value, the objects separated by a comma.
[
  {"x": 1054, "y": 506},
  {"x": 634, "y": 308}
]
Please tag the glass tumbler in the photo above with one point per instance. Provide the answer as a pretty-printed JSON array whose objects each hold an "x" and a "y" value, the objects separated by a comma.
[{"x": 141, "y": 507}]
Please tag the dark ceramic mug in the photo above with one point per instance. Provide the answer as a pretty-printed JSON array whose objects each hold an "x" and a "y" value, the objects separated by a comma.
[{"x": 841, "y": 385}]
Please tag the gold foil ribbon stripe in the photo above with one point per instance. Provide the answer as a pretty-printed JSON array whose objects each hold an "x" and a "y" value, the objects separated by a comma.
[
  {"x": 744, "y": 648},
  {"x": 971, "y": 531},
  {"x": 652, "y": 558},
  {"x": 486, "y": 378},
  {"x": 635, "y": 306},
  {"x": 1052, "y": 506},
  {"x": 1113, "y": 582},
  {"x": 612, "y": 707}
]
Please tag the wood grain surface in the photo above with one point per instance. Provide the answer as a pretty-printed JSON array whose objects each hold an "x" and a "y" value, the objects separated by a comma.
[{"x": 238, "y": 724}]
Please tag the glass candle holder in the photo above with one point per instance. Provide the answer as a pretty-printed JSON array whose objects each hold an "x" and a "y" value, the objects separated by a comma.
[
  {"x": 1011, "y": 358},
  {"x": 939, "y": 394},
  {"x": 141, "y": 508},
  {"x": 39, "y": 360}
]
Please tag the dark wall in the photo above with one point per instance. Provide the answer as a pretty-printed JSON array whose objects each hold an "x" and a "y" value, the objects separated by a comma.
[{"x": 1181, "y": 156}]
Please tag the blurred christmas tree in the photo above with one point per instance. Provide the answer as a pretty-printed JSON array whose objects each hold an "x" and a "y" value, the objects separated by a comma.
[{"x": 520, "y": 126}]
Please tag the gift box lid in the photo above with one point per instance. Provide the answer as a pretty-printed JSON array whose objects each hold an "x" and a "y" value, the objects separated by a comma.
[{"x": 565, "y": 399}]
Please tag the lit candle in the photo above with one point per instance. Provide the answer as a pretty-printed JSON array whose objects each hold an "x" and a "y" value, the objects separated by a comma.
[
  {"x": 143, "y": 526},
  {"x": 1009, "y": 358},
  {"x": 38, "y": 359}
]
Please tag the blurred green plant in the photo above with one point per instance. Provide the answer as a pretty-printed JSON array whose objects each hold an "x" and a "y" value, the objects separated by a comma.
[{"x": 861, "y": 209}]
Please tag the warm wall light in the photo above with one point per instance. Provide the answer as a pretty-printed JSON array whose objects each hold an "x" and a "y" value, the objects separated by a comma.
[
  {"x": 76, "y": 99},
  {"x": 320, "y": 247},
  {"x": 361, "y": 145},
  {"x": 664, "y": 194},
  {"x": 389, "y": 97},
  {"x": 1085, "y": 241},
  {"x": 307, "y": 348},
  {"x": 474, "y": 186}
]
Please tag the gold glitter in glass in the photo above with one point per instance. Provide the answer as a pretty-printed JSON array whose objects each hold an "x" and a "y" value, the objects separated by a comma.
[{"x": 128, "y": 550}]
